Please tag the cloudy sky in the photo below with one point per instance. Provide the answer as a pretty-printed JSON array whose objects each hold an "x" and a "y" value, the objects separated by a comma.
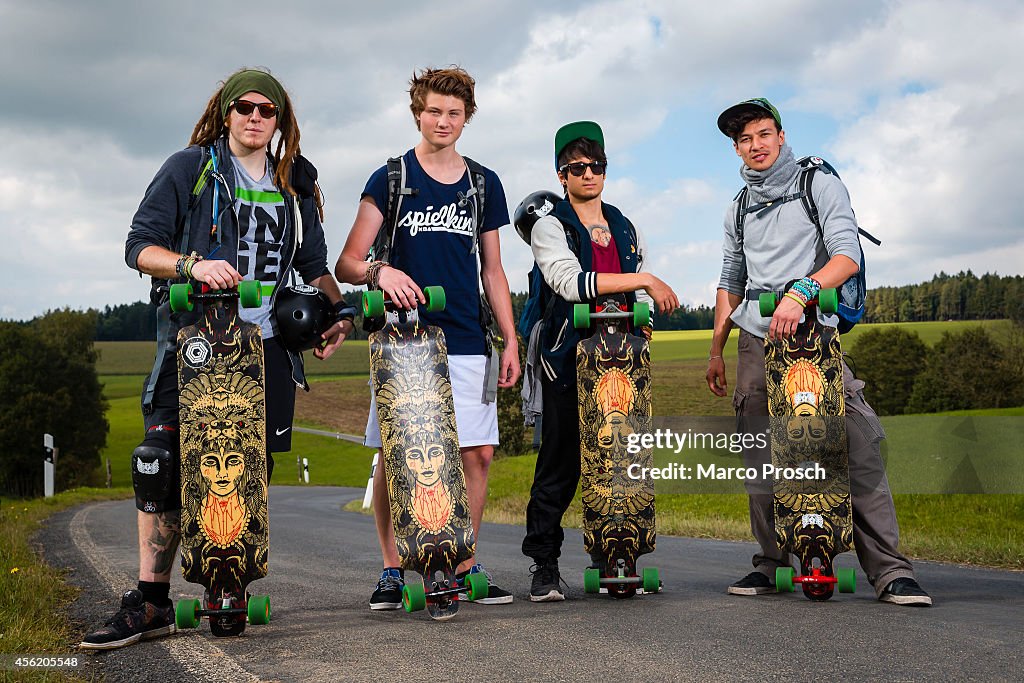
[{"x": 917, "y": 104}]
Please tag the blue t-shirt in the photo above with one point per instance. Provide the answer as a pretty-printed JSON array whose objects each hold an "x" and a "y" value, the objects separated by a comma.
[{"x": 433, "y": 243}]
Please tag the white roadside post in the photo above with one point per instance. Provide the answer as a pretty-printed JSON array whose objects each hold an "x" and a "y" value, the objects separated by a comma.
[
  {"x": 49, "y": 465},
  {"x": 305, "y": 469},
  {"x": 368, "y": 496}
]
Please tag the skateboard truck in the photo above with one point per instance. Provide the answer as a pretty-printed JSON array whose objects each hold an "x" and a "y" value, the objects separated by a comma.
[
  {"x": 188, "y": 613},
  {"x": 415, "y": 595},
  {"x": 648, "y": 582},
  {"x": 844, "y": 579},
  {"x": 611, "y": 310},
  {"x": 184, "y": 295}
]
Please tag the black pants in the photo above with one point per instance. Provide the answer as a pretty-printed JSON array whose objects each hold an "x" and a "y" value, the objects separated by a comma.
[{"x": 557, "y": 474}]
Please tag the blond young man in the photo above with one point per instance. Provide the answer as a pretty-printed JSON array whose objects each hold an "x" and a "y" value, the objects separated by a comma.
[{"x": 437, "y": 237}]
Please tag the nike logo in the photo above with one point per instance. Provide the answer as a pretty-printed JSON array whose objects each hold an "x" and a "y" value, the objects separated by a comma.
[{"x": 279, "y": 432}]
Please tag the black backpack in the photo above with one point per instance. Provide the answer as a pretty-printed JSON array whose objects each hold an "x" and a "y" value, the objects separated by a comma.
[{"x": 852, "y": 293}]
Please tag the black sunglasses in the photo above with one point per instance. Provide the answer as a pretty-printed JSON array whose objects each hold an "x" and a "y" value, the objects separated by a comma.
[
  {"x": 268, "y": 110},
  {"x": 578, "y": 168}
]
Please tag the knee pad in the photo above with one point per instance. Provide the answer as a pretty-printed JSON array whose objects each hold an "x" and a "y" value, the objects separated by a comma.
[{"x": 155, "y": 473}]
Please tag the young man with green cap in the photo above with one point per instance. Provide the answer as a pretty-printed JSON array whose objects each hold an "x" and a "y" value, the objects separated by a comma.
[
  {"x": 780, "y": 243},
  {"x": 584, "y": 248},
  {"x": 225, "y": 209}
]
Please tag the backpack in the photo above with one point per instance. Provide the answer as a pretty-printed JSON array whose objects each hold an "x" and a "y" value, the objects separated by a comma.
[
  {"x": 852, "y": 293},
  {"x": 398, "y": 189},
  {"x": 540, "y": 295}
]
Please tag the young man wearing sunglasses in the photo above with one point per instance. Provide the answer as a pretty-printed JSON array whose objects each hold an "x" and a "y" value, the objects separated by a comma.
[
  {"x": 779, "y": 242},
  {"x": 437, "y": 233},
  {"x": 225, "y": 209},
  {"x": 584, "y": 248}
]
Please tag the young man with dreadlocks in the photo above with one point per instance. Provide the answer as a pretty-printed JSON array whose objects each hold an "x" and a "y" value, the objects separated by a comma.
[
  {"x": 435, "y": 232},
  {"x": 584, "y": 248},
  {"x": 268, "y": 223},
  {"x": 779, "y": 241}
]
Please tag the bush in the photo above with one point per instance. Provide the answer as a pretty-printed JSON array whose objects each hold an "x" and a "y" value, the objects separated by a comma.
[
  {"x": 889, "y": 360},
  {"x": 512, "y": 433},
  {"x": 967, "y": 370},
  {"x": 48, "y": 384}
]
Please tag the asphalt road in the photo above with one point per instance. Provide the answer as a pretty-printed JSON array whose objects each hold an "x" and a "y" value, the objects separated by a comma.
[{"x": 324, "y": 563}]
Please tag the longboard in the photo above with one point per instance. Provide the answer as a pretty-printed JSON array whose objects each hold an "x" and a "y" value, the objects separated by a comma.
[
  {"x": 422, "y": 462},
  {"x": 224, "y": 523},
  {"x": 613, "y": 375},
  {"x": 807, "y": 423}
]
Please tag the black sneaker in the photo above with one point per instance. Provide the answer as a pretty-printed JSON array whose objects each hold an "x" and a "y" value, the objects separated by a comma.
[
  {"x": 754, "y": 583},
  {"x": 135, "y": 621},
  {"x": 495, "y": 594},
  {"x": 905, "y": 591},
  {"x": 388, "y": 594},
  {"x": 546, "y": 579}
]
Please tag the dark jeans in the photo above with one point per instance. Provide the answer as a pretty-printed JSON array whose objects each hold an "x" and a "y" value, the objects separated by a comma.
[{"x": 557, "y": 474}]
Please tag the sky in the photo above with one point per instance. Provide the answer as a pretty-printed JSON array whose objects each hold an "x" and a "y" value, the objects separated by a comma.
[{"x": 916, "y": 104}]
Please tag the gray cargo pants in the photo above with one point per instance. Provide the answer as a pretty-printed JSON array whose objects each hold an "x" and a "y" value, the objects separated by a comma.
[{"x": 875, "y": 530}]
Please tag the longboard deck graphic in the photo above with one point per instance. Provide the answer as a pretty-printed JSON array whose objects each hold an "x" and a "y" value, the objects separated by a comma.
[
  {"x": 613, "y": 371},
  {"x": 813, "y": 517},
  {"x": 224, "y": 521},
  {"x": 422, "y": 461}
]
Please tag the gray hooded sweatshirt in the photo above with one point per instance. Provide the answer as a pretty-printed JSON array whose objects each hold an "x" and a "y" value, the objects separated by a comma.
[{"x": 782, "y": 244}]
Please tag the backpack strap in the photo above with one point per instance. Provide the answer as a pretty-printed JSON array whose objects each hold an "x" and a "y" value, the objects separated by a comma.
[
  {"x": 810, "y": 165},
  {"x": 741, "y": 212},
  {"x": 397, "y": 190},
  {"x": 478, "y": 193},
  {"x": 206, "y": 169}
]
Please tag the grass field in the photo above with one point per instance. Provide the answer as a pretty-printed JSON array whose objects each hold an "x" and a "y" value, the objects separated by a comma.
[
  {"x": 32, "y": 594},
  {"x": 928, "y": 456}
]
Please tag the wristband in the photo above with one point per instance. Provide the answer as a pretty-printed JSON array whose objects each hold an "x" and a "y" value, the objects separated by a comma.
[
  {"x": 342, "y": 311},
  {"x": 796, "y": 298}
]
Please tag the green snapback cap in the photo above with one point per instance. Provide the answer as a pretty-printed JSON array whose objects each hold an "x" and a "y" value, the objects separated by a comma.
[{"x": 574, "y": 131}]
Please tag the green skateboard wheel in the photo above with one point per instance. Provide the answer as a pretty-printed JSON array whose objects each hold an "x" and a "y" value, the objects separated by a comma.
[
  {"x": 641, "y": 314},
  {"x": 828, "y": 301},
  {"x": 414, "y": 597},
  {"x": 186, "y": 613},
  {"x": 373, "y": 303},
  {"x": 846, "y": 580},
  {"x": 250, "y": 294},
  {"x": 784, "y": 579},
  {"x": 435, "y": 298},
  {"x": 766, "y": 303},
  {"x": 259, "y": 609},
  {"x": 181, "y": 297},
  {"x": 652, "y": 584},
  {"x": 581, "y": 316},
  {"x": 592, "y": 580},
  {"x": 478, "y": 587}
]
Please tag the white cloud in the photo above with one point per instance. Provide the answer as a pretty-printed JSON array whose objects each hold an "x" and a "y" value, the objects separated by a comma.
[{"x": 917, "y": 103}]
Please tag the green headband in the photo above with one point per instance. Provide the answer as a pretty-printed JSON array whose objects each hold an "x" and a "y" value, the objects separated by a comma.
[{"x": 251, "y": 80}]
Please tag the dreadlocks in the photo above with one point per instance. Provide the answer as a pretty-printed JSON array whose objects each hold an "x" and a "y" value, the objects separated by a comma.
[{"x": 212, "y": 125}]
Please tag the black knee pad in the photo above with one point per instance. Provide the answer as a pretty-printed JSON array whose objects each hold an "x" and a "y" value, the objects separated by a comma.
[{"x": 155, "y": 472}]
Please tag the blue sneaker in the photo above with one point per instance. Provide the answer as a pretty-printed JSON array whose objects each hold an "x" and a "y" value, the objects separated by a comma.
[{"x": 495, "y": 594}]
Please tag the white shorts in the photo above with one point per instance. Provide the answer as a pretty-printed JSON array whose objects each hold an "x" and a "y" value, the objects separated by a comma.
[{"x": 477, "y": 421}]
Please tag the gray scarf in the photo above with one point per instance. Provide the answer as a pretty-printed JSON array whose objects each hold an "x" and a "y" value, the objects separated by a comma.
[{"x": 769, "y": 185}]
